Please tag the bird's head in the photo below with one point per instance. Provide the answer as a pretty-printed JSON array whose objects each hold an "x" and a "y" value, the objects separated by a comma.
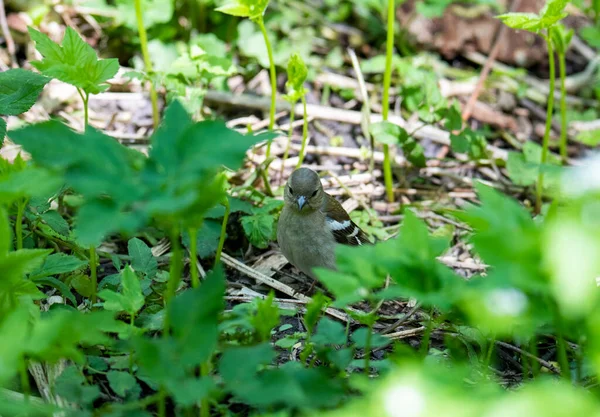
[{"x": 304, "y": 191}]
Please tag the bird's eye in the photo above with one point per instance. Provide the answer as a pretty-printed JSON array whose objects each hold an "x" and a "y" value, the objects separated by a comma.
[
  {"x": 291, "y": 191},
  {"x": 314, "y": 193}
]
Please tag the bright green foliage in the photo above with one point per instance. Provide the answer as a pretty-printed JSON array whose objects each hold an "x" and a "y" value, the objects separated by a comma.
[
  {"x": 252, "y": 9},
  {"x": 266, "y": 317},
  {"x": 552, "y": 12},
  {"x": 391, "y": 134},
  {"x": 153, "y": 12},
  {"x": 142, "y": 259},
  {"x": 122, "y": 188},
  {"x": 121, "y": 382},
  {"x": 561, "y": 38},
  {"x": 19, "y": 90},
  {"x": 469, "y": 142},
  {"x": 296, "y": 72},
  {"x": 260, "y": 227},
  {"x": 524, "y": 166},
  {"x": 130, "y": 300},
  {"x": 72, "y": 386},
  {"x": 74, "y": 62},
  {"x": 20, "y": 180}
]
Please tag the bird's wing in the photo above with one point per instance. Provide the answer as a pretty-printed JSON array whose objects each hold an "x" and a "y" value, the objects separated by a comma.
[{"x": 344, "y": 230}]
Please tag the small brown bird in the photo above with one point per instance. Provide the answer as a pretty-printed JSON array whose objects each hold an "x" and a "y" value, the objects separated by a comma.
[{"x": 312, "y": 222}]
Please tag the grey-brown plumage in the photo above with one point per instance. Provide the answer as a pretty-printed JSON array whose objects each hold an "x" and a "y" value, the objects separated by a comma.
[{"x": 312, "y": 222}]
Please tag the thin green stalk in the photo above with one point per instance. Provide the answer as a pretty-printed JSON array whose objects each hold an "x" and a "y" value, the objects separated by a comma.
[
  {"x": 289, "y": 142},
  {"x": 132, "y": 326},
  {"x": 488, "y": 356},
  {"x": 93, "y": 273},
  {"x": 546, "y": 140},
  {"x": 304, "y": 134},
  {"x": 204, "y": 406},
  {"x": 25, "y": 380},
  {"x": 193, "y": 233},
  {"x": 223, "y": 230},
  {"x": 387, "y": 81},
  {"x": 19, "y": 223},
  {"x": 272, "y": 75},
  {"x": 174, "y": 277},
  {"x": 147, "y": 62},
  {"x": 561, "y": 346},
  {"x": 535, "y": 365},
  {"x": 424, "y": 349},
  {"x": 162, "y": 402},
  {"x": 563, "y": 107}
]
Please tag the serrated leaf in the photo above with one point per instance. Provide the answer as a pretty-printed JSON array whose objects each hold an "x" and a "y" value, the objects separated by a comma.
[
  {"x": 329, "y": 332},
  {"x": 190, "y": 391},
  {"x": 130, "y": 299},
  {"x": 259, "y": 229},
  {"x": 58, "y": 263},
  {"x": 121, "y": 382},
  {"x": 142, "y": 259},
  {"x": 19, "y": 90},
  {"x": 72, "y": 386},
  {"x": 386, "y": 132},
  {"x": 57, "y": 222},
  {"x": 75, "y": 62},
  {"x": 359, "y": 337}
]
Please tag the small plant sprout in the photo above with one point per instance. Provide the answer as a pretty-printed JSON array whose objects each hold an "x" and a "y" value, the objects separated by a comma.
[
  {"x": 147, "y": 62},
  {"x": 561, "y": 38},
  {"x": 296, "y": 71},
  {"x": 75, "y": 62},
  {"x": 255, "y": 10},
  {"x": 542, "y": 23},
  {"x": 387, "y": 80}
]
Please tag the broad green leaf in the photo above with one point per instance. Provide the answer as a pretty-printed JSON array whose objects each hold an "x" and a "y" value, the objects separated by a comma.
[
  {"x": 259, "y": 229},
  {"x": 2, "y": 131},
  {"x": 130, "y": 299},
  {"x": 5, "y": 233},
  {"x": 190, "y": 391},
  {"x": 58, "y": 263},
  {"x": 329, "y": 332},
  {"x": 14, "y": 330},
  {"x": 296, "y": 72},
  {"x": 313, "y": 311},
  {"x": 253, "y": 9},
  {"x": 469, "y": 142},
  {"x": 121, "y": 382},
  {"x": 386, "y": 132},
  {"x": 194, "y": 316},
  {"x": 75, "y": 62},
  {"x": 525, "y": 21},
  {"x": 554, "y": 8},
  {"x": 453, "y": 118},
  {"x": 19, "y": 90},
  {"x": 207, "y": 238},
  {"x": 589, "y": 137},
  {"x": 60, "y": 286},
  {"x": 266, "y": 317},
  {"x": 359, "y": 337},
  {"x": 72, "y": 386},
  {"x": 234, "y": 9},
  {"x": 57, "y": 222},
  {"x": 142, "y": 259},
  {"x": 82, "y": 284},
  {"x": 153, "y": 12},
  {"x": 29, "y": 182}
]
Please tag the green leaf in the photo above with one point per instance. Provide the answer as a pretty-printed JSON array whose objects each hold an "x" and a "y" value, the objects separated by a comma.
[
  {"x": 313, "y": 311},
  {"x": 19, "y": 90},
  {"x": 561, "y": 38},
  {"x": 525, "y": 21},
  {"x": 266, "y": 317},
  {"x": 359, "y": 336},
  {"x": 469, "y": 142},
  {"x": 386, "y": 132},
  {"x": 58, "y": 263},
  {"x": 297, "y": 73},
  {"x": 82, "y": 284},
  {"x": 14, "y": 329},
  {"x": 253, "y": 9},
  {"x": 190, "y": 391},
  {"x": 194, "y": 316},
  {"x": 5, "y": 233},
  {"x": 554, "y": 9},
  {"x": 29, "y": 182},
  {"x": 75, "y": 62},
  {"x": 329, "y": 332},
  {"x": 259, "y": 229},
  {"x": 121, "y": 382},
  {"x": 207, "y": 238},
  {"x": 142, "y": 259},
  {"x": 130, "y": 300},
  {"x": 453, "y": 118},
  {"x": 59, "y": 285},
  {"x": 2, "y": 131},
  {"x": 57, "y": 222},
  {"x": 234, "y": 9},
  {"x": 589, "y": 137},
  {"x": 153, "y": 12},
  {"x": 72, "y": 386}
]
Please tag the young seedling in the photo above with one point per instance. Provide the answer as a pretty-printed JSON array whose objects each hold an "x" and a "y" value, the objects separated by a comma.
[
  {"x": 541, "y": 23},
  {"x": 75, "y": 62},
  {"x": 255, "y": 10},
  {"x": 296, "y": 71},
  {"x": 561, "y": 38},
  {"x": 147, "y": 61}
]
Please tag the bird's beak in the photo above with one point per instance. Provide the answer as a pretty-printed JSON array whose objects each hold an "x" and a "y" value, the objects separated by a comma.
[{"x": 301, "y": 202}]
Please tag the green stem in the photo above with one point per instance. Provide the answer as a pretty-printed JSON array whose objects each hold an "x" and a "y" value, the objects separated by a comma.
[
  {"x": 174, "y": 278},
  {"x": 387, "y": 81},
  {"x": 132, "y": 326},
  {"x": 19, "y": 223},
  {"x": 223, "y": 231},
  {"x": 289, "y": 142},
  {"x": 204, "y": 406},
  {"x": 563, "y": 107},
  {"x": 25, "y": 379},
  {"x": 147, "y": 62},
  {"x": 272, "y": 75},
  {"x": 546, "y": 140},
  {"x": 535, "y": 365},
  {"x": 162, "y": 402},
  {"x": 193, "y": 233},
  {"x": 424, "y": 350},
  {"x": 86, "y": 117},
  {"x": 93, "y": 273},
  {"x": 488, "y": 356},
  {"x": 304, "y": 134},
  {"x": 561, "y": 346}
]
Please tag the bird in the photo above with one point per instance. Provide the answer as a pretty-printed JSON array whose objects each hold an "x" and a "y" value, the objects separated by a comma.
[{"x": 312, "y": 223}]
